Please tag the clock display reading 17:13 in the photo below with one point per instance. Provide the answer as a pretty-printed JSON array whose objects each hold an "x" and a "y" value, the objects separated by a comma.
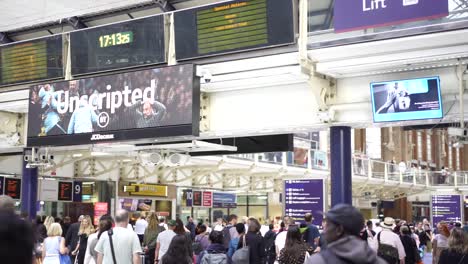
[{"x": 116, "y": 39}]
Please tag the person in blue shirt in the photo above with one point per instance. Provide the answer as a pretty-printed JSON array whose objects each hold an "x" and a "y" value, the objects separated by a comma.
[
  {"x": 83, "y": 118},
  {"x": 312, "y": 236},
  {"x": 51, "y": 118},
  {"x": 240, "y": 228}
]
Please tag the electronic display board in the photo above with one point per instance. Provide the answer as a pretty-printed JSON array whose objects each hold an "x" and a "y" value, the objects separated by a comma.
[
  {"x": 233, "y": 26},
  {"x": 134, "y": 43},
  {"x": 33, "y": 60},
  {"x": 403, "y": 100},
  {"x": 65, "y": 191},
  {"x": 13, "y": 188},
  {"x": 159, "y": 102}
]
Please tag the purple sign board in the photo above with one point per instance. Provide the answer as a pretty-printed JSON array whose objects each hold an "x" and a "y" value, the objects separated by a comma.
[
  {"x": 446, "y": 208},
  {"x": 304, "y": 196},
  {"x": 360, "y": 14}
]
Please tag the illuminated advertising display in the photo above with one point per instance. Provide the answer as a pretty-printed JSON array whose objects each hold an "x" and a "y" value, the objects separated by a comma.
[
  {"x": 136, "y": 105},
  {"x": 33, "y": 60},
  {"x": 233, "y": 26}
]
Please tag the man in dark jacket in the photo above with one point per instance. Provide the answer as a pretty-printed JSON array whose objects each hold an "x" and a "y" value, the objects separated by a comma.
[
  {"x": 344, "y": 222},
  {"x": 191, "y": 227},
  {"x": 71, "y": 238},
  {"x": 270, "y": 245},
  {"x": 255, "y": 242},
  {"x": 215, "y": 253}
]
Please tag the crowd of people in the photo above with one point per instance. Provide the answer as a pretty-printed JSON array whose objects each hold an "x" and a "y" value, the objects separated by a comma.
[{"x": 346, "y": 238}]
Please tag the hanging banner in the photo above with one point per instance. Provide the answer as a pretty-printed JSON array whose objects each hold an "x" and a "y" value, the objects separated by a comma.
[
  {"x": 446, "y": 208},
  {"x": 100, "y": 209},
  {"x": 77, "y": 191},
  {"x": 224, "y": 200},
  {"x": 161, "y": 102},
  {"x": 304, "y": 196},
  {"x": 65, "y": 191},
  {"x": 360, "y": 14},
  {"x": 207, "y": 199},
  {"x": 197, "y": 198}
]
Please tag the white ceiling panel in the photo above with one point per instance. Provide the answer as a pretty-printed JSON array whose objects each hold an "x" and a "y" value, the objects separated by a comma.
[{"x": 16, "y": 14}]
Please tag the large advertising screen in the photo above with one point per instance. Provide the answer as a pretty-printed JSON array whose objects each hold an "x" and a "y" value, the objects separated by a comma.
[
  {"x": 134, "y": 43},
  {"x": 404, "y": 100},
  {"x": 33, "y": 60},
  {"x": 233, "y": 26},
  {"x": 127, "y": 106}
]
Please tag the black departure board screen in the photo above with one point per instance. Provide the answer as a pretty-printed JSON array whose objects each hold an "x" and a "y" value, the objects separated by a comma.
[
  {"x": 233, "y": 26},
  {"x": 29, "y": 61},
  {"x": 129, "y": 44}
]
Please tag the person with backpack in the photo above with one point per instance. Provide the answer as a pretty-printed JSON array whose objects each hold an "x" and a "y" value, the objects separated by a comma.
[
  {"x": 270, "y": 245},
  {"x": 215, "y": 253},
  {"x": 229, "y": 231},
  {"x": 254, "y": 240},
  {"x": 201, "y": 242},
  {"x": 240, "y": 229},
  {"x": 388, "y": 243},
  {"x": 312, "y": 234},
  {"x": 344, "y": 222},
  {"x": 411, "y": 249}
]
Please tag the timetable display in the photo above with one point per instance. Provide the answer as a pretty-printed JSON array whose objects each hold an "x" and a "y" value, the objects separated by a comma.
[
  {"x": 31, "y": 61},
  {"x": 134, "y": 43},
  {"x": 233, "y": 26}
]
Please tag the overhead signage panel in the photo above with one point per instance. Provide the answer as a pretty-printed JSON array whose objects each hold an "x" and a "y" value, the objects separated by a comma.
[
  {"x": 446, "y": 208},
  {"x": 136, "y": 105},
  {"x": 134, "y": 43},
  {"x": 304, "y": 196},
  {"x": 361, "y": 14},
  {"x": 33, "y": 60},
  {"x": 233, "y": 26},
  {"x": 224, "y": 200},
  {"x": 146, "y": 190}
]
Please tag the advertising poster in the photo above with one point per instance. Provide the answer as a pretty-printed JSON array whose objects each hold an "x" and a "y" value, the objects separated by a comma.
[
  {"x": 156, "y": 98},
  {"x": 49, "y": 190},
  {"x": 77, "y": 191},
  {"x": 207, "y": 199},
  {"x": 197, "y": 198},
  {"x": 65, "y": 191},
  {"x": 144, "y": 205},
  {"x": 406, "y": 100},
  {"x": 304, "y": 196},
  {"x": 128, "y": 204},
  {"x": 224, "y": 200},
  {"x": 13, "y": 188},
  {"x": 320, "y": 160},
  {"x": 360, "y": 14},
  {"x": 446, "y": 208},
  {"x": 100, "y": 209}
]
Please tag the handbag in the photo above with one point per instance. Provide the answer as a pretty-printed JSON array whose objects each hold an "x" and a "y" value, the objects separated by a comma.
[
  {"x": 64, "y": 258},
  {"x": 241, "y": 256}
]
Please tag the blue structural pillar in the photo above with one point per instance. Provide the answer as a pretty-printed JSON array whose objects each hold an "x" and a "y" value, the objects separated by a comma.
[
  {"x": 29, "y": 182},
  {"x": 340, "y": 165}
]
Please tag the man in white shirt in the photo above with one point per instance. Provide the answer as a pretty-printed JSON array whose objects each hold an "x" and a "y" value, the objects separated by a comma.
[
  {"x": 280, "y": 240},
  {"x": 388, "y": 237},
  {"x": 140, "y": 227},
  {"x": 164, "y": 240},
  {"x": 162, "y": 223},
  {"x": 377, "y": 228},
  {"x": 125, "y": 243}
]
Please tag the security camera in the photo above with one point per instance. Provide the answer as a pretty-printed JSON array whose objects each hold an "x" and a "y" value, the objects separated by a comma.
[
  {"x": 43, "y": 157},
  {"x": 207, "y": 76},
  {"x": 50, "y": 157},
  {"x": 204, "y": 74},
  {"x": 27, "y": 158}
]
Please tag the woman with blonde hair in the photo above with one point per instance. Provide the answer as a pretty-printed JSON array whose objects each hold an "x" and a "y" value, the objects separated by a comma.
[
  {"x": 86, "y": 229},
  {"x": 440, "y": 241},
  {"x": 54, "y": 245},
  {"x": 48, "y": 222},
  {"x": 151, "y": 235},
  {"x": 457, "y": 250}
]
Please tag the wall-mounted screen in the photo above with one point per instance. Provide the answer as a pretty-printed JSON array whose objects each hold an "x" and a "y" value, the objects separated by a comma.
[
  {"x": 128, "y": 44},
  {"x": 404, "y": 100},
  {"x": 33, "y": 60},
  {"x": 233, "y": 26},
  {"x": 135, "y": 105}
]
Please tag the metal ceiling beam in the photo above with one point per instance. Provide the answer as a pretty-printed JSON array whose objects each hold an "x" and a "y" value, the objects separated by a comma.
[
  {"x": 4, "y": 38},
  {"x": 319, "y": 12},
  {"x": 164, "y": 5},
  {"x": 76, "y": 22}
]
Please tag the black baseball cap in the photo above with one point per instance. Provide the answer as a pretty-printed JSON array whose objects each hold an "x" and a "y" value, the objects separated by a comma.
[{"x": 347, "y": 216}]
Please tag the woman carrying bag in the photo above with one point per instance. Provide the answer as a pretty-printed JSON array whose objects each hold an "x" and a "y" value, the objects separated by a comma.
[{"x": 54, "y": 250}]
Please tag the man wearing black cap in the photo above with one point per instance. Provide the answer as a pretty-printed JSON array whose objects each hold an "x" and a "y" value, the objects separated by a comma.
[{"x": 344, "y": 223}]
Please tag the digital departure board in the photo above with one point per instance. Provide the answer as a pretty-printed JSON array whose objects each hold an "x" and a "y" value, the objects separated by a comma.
[
  {"x": 233, "y": 26},
  {"x": 134, "y": 43},
  {"x": 31, "y": 61}
]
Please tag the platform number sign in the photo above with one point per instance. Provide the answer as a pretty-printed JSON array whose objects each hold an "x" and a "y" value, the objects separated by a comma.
[
  {"x": 77, "y": 191},
  {"x": 189, "y": 197}
]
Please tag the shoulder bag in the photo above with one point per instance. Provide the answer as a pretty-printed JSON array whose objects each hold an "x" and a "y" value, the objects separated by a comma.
[
  {"x": 110, "y": 233},
  {"x": 241, "y": 256}
]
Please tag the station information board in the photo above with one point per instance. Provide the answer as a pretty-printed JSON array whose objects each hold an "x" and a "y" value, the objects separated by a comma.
[
  {"x": 128, "y": 44},
  {"x": 446, "y": 208},
  {"x": 304, "y": 196},
  {"x": 29, "y": 61},
  {"x": 233, "y": 26}
]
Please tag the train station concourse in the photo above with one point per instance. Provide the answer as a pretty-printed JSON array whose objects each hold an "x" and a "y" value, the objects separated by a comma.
[{"x": 263, "y": 109}]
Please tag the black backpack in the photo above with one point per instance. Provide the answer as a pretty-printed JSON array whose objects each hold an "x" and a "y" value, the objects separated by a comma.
[
  {"x": 226, "y": 236},
  {"x": 387, "y": 252}
]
